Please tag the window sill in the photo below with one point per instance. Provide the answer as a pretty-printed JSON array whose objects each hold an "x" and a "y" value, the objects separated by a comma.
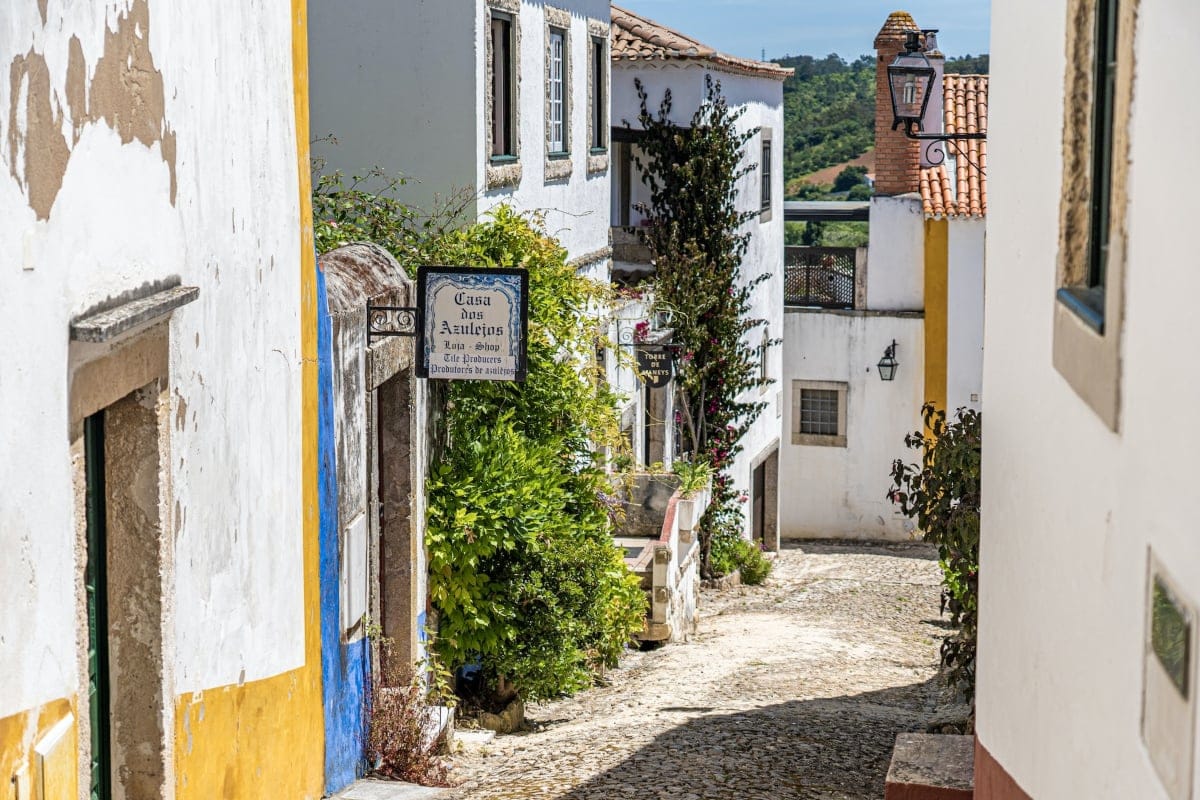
[
  {"x": 501, "y": 160},
  {"x": 598, "y": 151},
  {"x": 560, "y": 155},
  {"x": 818, "y": 440},
  {"x": 1086, "y": 352},
  {"x": 1087, "y": 304}
]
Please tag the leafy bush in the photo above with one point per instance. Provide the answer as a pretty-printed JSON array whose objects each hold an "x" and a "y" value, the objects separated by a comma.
[
  {"x": 523, "y": 571},
  {"x": 731, "y": 553},
  {"x": 369, "y": 208},
  {"x": 693, "y": 475},
  {"x": 942, "y": 493}
]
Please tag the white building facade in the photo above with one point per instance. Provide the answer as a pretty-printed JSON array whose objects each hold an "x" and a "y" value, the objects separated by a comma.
[
  {"x": 664, "y": 59},
  {"x": 1090, "y": 563},
  {"x": 916, "y": 291},
  {"x": 503, "y": 101}
]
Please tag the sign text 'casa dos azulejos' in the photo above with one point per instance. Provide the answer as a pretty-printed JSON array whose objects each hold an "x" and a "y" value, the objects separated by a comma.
[{"x": 474, "y": 323}]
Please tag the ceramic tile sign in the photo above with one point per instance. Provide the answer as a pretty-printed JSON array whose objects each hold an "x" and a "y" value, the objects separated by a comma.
[
  {"x": 655, "y": 365},
  {"x": 474, "y": 323}
]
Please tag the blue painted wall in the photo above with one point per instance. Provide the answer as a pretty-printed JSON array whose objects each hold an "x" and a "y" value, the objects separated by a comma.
[{"x": 344, "y": 667}]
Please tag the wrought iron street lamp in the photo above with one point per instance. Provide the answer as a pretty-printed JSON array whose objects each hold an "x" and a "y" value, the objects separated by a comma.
[
  {"x": 888, "y": 364},
  {"x": 910, "y": 79}
]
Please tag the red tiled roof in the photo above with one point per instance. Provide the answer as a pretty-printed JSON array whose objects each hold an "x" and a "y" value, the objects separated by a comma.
[
  {"x": 636, "y": 38},
  {"x": 965, "y": 103}
]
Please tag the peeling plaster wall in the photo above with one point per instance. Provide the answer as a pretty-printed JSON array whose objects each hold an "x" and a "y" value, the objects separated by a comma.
[{"x": 143, "y": 141}]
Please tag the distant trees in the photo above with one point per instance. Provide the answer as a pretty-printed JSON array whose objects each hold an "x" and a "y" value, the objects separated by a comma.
[
  {"x": 849, "y": 178},
  {"x": 829, "y": 110}
]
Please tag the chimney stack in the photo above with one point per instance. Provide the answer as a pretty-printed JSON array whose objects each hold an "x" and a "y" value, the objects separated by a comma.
[
  {"x": 897, "y": 158},
  {"x": 936, "y": 109}
]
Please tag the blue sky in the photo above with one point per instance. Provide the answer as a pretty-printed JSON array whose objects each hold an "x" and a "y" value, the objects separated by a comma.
[{"x": 815, "y": 27}]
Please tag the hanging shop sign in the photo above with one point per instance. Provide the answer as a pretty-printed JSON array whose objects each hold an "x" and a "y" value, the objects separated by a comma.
[
  {"x": 655, "y": 364},
  {"x": 473, "y": 324}
]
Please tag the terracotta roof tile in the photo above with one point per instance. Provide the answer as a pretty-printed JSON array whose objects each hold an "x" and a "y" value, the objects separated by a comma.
[
  {"x": 636, "y": 38},
  {"x": 965, "y": 103}
]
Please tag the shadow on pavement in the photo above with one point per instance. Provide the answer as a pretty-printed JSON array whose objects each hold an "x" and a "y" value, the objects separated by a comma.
[
  {"x": 914, "y": 549},
  {"x": 823, "y": 749}
]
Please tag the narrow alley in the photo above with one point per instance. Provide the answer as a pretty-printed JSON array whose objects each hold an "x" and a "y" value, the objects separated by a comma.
[{"x": 794, "y": 689}]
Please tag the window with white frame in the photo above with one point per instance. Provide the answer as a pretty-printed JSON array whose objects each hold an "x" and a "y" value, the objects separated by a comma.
[
  {"x": 819, "y": 413},
  {"x": 556, "y": 89}
]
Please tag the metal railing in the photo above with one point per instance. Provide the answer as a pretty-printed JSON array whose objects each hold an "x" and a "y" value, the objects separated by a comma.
[{"x": 823, "y": 277}]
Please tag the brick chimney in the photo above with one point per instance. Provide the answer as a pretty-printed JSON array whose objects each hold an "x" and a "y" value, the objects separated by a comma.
[{"x": 897, "y": 158}]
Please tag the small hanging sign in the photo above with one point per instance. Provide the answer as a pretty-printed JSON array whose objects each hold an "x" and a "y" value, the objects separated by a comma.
[
  {"x": 655, "y": 364},
  {"x": 474, "y": 323}
]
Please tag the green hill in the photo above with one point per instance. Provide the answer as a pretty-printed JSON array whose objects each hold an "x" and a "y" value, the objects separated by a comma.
[{"x": 829, "y": 109}]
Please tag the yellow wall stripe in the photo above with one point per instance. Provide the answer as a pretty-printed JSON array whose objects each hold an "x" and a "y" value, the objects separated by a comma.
[{"x": 937, "y": 281}]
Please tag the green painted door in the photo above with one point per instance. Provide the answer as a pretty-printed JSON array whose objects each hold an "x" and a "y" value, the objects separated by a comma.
[{"x": 96, "y": 586}]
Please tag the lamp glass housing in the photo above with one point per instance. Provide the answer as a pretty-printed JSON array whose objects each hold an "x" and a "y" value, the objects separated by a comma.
[
  {"x": 888, "y": 364},
  {"x": 909, "y": 79}
]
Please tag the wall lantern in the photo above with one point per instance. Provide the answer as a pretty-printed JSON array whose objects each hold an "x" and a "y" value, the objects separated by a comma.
[
  {"x": 910, "y": 78},
  {"x": 888, "y": 364}
]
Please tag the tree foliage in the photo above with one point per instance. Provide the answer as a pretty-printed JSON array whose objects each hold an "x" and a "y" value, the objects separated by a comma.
[
  {"x": 523, "y": 571},
  {"x": 943, "y": 493},
  {"x": 697, "y": 236},
  {"x": 829, "y": 110}
]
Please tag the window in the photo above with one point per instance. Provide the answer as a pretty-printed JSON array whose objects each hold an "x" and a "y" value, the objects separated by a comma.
[
  {"x": 556, "y": 119},
  {"x": 1086, "y": 298},
  {"x": 764, "y": 363},
  {"x": 765, "y": 170},
  {"x": 599, "y": 111},
  {"x": 1099, "y": 94},
  {"x": 819, "y": 413},
  {"x": 503, "y": 88}
]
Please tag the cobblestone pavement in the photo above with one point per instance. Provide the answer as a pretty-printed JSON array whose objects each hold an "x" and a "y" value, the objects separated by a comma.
[{"x": 795, "y": 689}]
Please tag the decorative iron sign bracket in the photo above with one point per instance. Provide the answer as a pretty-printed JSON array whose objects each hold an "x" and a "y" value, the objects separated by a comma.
[{"x": 385, "y": 321}]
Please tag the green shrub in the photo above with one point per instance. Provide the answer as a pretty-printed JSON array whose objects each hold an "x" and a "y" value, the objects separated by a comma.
[
  {"x": 943, "y": 494},
  {"x": 523, "y": 570},
  {"x": 732, "y": 552}
]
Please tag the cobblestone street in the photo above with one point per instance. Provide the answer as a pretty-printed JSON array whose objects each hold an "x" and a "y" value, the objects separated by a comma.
[{"x": 795, "y": 689}]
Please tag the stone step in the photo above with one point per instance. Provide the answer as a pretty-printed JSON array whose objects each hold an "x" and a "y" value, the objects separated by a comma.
[
  {"x": 370, "y": 789},
  {"x": 931, "y": 767}
]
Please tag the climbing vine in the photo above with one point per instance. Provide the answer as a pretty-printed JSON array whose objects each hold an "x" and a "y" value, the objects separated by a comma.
[{"x": 698, "y": 238}]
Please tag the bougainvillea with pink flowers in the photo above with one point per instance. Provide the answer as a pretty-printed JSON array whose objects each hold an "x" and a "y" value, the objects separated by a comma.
[{"x": 698, "y": 238}]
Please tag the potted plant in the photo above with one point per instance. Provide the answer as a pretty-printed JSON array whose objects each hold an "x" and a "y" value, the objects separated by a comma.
[{"x": 695, "y": 478}]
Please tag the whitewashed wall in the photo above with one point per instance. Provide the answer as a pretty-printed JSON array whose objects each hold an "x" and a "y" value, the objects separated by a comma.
[
  {"x": 964, "y": 321},
  {"x": 231, "y": 229},
  {"x": 896, "y": 266},
  {"x": 403, "y": 86},
  {"x": 1070, "y": 509},
  {"x": 576, "y": 209},
  {"x": 841, "y": 491},
  {"x": 396, "y": 84}
]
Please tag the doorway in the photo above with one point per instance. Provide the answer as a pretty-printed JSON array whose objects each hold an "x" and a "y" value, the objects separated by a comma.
[
  {"x": 399, "y": 602},
  {"x": 96, "y": 589},
  {"x": 764, "y": 499},
  {"x": 130, "y": 729}
]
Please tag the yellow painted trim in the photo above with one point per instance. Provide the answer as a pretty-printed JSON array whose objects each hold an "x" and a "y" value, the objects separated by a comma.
[
  {"x": 937, "y": 292},
  {"x": 265, "y": 739},
  {"x": 20, "y": 733}
]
